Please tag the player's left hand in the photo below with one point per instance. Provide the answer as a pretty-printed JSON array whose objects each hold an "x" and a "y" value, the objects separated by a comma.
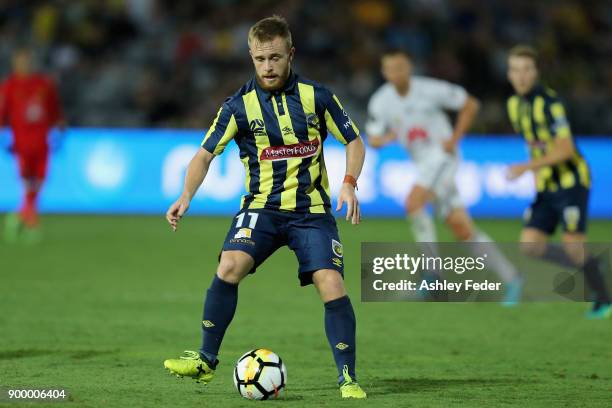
[
  {"x": 347, "y": 195},
  {"x": 516, "y": 170},
  {"x": 449, "y": 146}
]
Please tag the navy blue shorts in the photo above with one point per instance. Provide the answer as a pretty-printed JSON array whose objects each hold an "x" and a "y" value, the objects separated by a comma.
[
  {"x": 566, "y": 206},
  {"x": 312, "y": 237}
]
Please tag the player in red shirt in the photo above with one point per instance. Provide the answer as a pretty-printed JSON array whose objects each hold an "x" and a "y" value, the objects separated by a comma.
[{"x": 29, "y": 103}]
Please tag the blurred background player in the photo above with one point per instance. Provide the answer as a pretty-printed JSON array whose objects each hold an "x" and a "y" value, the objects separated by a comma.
[
  {"x": 410, "y": 109},
  {"x": 562, "y": 176},
  {"x": 30, "y": 105}
]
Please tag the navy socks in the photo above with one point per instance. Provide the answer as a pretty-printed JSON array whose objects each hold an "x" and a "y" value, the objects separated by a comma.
[
  {"x": 340, "y": 330},
  {"x": 219, "y": 309}
]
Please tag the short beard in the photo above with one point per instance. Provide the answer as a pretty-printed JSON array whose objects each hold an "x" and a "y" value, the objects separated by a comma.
[{"x": 283, "y": 76}]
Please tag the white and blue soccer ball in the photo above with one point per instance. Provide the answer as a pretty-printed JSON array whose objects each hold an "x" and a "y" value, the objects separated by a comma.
[{"x": 260, "y": 374}]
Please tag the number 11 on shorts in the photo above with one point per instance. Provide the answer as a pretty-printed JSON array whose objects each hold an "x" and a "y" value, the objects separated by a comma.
[{"x": 253, "y": 219}]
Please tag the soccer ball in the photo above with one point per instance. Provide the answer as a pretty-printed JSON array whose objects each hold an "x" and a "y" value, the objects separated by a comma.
[{"x": 260, "y": 374}]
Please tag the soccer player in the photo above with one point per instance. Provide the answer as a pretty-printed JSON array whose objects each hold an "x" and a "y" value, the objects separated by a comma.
[
  {"x": 279, "y": 120},
  {"x": 411, "y": 109},
  {"x": 30, "y": 103},
  {"x": 561, "y": 173}
]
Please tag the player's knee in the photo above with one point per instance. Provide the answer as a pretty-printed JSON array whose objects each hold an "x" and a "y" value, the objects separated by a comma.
[
  {"x": 329, "y": 283},
  {"x": 575, "y": 250},
  {"x": 533, "y": 243},
  {"x": 460, "y": 226},
  {"x": 533, "y": 249},
  {"x": 413, "y": 204},
  {"x": 231, "y": 270}
]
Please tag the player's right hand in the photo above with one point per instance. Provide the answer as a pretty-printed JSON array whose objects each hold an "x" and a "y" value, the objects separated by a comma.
[{"x": 176, "y": 212}]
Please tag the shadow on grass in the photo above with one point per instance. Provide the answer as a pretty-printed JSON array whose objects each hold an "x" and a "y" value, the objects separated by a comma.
[
  {"x": 74, "y": 354},
  {"x": 415, "y": 385}
]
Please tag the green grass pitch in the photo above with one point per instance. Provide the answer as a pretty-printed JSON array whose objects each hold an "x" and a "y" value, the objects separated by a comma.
[{"x": 102, "y": 301}]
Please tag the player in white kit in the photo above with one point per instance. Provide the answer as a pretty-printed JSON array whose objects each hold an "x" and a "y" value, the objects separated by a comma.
[{"x": 411, "y": 109}]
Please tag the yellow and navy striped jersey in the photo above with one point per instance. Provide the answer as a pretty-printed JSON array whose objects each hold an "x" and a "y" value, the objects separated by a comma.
[
  {"x": 280, "y": 136},
  {"x": 540, "y": 117}
]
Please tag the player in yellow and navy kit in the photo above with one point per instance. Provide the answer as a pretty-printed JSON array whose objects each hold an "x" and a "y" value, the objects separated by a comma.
[
  {"x": 562, "y": 176},
  {"x": 279, "y": 120}
]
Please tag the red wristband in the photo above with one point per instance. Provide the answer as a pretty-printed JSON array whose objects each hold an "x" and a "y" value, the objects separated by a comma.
[{"x": 350, "y": 180}]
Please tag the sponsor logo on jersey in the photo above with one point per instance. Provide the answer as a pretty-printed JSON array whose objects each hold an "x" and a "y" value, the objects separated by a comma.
[
  {"x": 337, "y": 248},
  {"x": 337, "y": 262},
  {"x": 302, "y": 149},
  {"x": 416, "y": 133}
]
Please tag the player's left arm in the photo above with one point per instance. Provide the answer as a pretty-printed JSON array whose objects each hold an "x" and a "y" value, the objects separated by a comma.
[
  {"x": 454, "y": 97},
  {"x": 563, "y": 146},
  {"x": 355, "y": 156},
  {"x": 465, "y": 119},
  {"x": 344, "y": 130}
]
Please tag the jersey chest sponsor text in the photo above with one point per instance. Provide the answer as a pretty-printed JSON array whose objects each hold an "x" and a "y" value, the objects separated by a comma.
[{"x": 284, "y": 152}]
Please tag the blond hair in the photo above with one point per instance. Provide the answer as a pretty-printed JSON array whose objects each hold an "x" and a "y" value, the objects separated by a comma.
[
  {"x": 522, "y": 50},
  {"x": 269, "y": 28}
]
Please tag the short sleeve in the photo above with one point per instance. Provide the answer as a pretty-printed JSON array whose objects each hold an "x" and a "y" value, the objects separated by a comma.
[
  {"x": 222, "y": 130},
  {"x": 376, "y": 124},
  {"x": 338, "y": 122},
  {"x": 558, "y": 123},
  {"x": 448, "y": 96}
]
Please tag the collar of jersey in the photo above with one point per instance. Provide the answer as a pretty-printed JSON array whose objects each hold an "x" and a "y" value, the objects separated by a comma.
[
  {"x": 288, "y": 88},
  {"x": 536, "y": 90}
]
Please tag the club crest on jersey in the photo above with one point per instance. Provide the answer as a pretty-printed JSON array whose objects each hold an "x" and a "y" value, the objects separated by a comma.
[
  {"x": 284, "y": 152},
  {"x": 257, "y": 127},
  {"x": 243, "y": 233},
  {"x": 337, "y": 248},
  {"x": 313, "y": 121}
]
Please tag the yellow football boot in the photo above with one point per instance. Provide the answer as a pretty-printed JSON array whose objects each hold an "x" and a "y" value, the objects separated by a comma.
[{"x": 190, "y": 364}]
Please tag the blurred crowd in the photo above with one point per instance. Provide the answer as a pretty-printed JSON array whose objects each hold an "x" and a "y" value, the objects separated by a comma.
[{"x": 171, "y": 63}]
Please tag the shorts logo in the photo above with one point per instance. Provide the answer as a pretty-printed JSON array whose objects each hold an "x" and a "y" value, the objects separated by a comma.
[
  {"x": 207, "y": 323},
  {"x": 243, "y": 233},
  {"x": 337, "y": 262},
  {"x": 337, "y": 248},
  {"x": 297, "y": 150},
  {"x": 342, "y": 346},
  {"x": 257, "y": 127},
  {"x": 313, "y": 121},
  {"x": 571, "y": 216}
]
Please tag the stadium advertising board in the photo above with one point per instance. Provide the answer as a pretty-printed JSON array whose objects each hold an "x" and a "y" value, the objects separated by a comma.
[{"x": 141, "y": 171}]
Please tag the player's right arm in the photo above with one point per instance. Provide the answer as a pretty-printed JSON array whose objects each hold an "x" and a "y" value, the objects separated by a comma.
[
  {"x": 377, "y": 130},
  {"x": 196, "y": 172},
  {"x": 222, "y": 130}
]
